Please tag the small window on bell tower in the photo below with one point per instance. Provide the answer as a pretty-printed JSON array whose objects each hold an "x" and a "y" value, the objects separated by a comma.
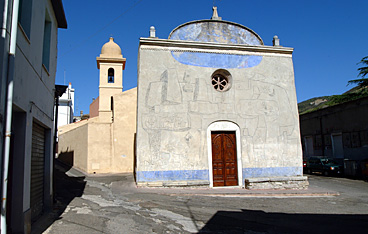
[{"x": 110, "y": 75}]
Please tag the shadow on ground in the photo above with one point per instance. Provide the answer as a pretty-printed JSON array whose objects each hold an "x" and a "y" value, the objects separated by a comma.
[
  {"x": 66, "y": 188},
  {"x": 256, "y": 221}
]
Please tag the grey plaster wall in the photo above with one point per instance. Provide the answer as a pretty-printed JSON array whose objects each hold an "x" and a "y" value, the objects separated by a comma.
[{"x": 177, "y": 103}]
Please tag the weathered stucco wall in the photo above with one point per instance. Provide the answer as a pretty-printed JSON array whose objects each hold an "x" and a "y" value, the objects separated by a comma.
[
  {"x": 73, "y": 143},
  {"x": 124, "y": 127},
  {"x": 100, "y": 147},
  {"x": 111, "y": 145},
  {"x": 177, "y": 103}
]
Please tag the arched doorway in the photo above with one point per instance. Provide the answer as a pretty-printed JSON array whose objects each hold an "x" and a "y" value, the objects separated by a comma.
[{"x": 224, "y": 154}]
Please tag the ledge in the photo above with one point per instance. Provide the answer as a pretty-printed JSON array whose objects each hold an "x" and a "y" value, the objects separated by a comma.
[
  {"x": 174, "y": 183},
  {"x": 277, "y": 183},
  {"x": 110, "y": 60},
  {"x": 214, "y": 46},
  {"x": 275, "y": 179}
]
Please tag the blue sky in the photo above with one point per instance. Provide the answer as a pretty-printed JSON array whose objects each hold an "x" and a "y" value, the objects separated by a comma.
[{"x": 329, "y": 37}]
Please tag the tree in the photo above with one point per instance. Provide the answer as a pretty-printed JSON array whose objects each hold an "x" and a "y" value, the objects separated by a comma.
[{"x": 363, "y": 72}]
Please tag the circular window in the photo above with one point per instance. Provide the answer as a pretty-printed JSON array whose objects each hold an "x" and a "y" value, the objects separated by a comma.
[{"x": 221, "y": 80}]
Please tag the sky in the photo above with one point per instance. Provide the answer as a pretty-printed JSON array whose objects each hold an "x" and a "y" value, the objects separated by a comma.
[{"x": 329, "y": 37}]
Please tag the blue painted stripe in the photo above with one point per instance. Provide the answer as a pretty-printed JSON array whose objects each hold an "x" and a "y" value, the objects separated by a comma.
[
  {"x": 217, "y": 60},
  {"x": 182, "y": 175},
  {"x": 187, "y": 175},
  {"x": 272, "y": 172}
]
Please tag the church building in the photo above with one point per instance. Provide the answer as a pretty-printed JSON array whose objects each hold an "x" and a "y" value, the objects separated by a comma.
[
  {"x": 214, "y": 107},
  {"x": 217, "y": 107}
]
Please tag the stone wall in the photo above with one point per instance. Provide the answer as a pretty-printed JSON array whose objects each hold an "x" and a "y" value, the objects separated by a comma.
[{"x": 278, "y": 183}]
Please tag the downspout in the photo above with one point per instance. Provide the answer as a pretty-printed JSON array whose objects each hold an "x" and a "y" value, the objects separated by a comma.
[
  {"x": 5, "y": 19},
  {"x": 9, "y": 110},
  {"x": 55, "y": 141}
]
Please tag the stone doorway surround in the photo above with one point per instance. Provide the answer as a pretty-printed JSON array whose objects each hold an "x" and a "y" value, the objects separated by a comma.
[{"x": 224, "y": 126}]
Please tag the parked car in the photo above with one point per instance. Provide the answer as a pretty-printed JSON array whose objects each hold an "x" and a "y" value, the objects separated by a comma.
[{"x": 326, "y": 166}]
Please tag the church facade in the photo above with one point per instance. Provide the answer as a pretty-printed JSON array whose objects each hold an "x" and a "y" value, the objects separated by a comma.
[{"x": 217, "y": 107}]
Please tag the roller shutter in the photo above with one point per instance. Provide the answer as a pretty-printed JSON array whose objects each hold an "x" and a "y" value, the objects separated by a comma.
[{"x": 37, "y": 170}]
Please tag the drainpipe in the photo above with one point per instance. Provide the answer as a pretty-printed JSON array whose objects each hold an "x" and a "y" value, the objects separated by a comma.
[
  {"x": 9, "y": 110},
  {"x": 55, "y": 143},
  {"x": 14, "y": 28},
  {"x": 5, "y": 19}
]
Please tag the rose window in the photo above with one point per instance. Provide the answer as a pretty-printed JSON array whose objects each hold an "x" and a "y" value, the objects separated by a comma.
[{"x": 221, "y": 80}]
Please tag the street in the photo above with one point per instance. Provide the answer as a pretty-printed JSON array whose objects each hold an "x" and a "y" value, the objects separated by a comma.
[{"x": 113, "y": 205}]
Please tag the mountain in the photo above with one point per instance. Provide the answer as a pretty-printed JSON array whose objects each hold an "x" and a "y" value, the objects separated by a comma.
[{"x": 317, "y": 103}]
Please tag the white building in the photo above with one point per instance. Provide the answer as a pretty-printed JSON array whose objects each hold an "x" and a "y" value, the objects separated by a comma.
[
  {"x": 28, "y": 68},
  {"x": 66, "y": 107}
]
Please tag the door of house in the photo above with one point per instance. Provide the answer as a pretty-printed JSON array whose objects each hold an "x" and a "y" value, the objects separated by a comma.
[
  {"x": 224, "y": 159},
  {"x": 37, "y": 170},
  {"x": 309, "y": 148},
  {"x": 337, "y": 146}
]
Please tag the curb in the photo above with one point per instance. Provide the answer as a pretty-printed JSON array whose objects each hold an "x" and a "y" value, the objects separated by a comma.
[{"x": 260, "y": 195}]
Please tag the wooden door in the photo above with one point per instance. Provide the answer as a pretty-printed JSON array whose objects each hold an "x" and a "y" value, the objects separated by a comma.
[{"x": 224, "y": 160}]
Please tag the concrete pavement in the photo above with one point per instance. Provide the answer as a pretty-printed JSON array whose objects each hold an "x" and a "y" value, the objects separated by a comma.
[{"x": 113, "y": 204}]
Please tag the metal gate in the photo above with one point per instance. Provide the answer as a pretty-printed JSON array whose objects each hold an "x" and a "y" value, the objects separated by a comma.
[{"x": 37, "y": 170}]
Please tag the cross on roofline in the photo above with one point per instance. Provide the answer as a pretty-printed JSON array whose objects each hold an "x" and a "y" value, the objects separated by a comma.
[{"x": 215, "y": 14}]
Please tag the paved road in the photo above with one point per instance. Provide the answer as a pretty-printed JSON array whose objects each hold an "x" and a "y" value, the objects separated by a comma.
[{"x": 113, "y": 205}]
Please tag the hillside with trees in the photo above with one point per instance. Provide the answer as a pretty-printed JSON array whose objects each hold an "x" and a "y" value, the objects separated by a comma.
[{"x": 360, "y": 91}]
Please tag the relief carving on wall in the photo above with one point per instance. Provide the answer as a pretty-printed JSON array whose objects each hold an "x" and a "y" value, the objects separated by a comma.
[{"x": 263, "y": 108}]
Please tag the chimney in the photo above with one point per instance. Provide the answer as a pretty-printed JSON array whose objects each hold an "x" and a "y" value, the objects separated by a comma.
[
  {"x": 276, "y": 41},
  {"x": 152, "y": 31}
]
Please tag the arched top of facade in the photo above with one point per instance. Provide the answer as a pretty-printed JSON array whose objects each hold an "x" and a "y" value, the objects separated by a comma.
[{"x": 216, "y": 31}]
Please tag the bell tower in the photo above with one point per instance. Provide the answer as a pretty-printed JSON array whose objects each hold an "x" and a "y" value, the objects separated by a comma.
[{"x": 111, "y": 65}]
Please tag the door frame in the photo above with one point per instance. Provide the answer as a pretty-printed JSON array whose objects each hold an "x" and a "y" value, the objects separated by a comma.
[{"x": 230, "y": 127}]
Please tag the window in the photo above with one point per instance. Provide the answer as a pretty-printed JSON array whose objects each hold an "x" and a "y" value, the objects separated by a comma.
[
  {"x": 110, "y": 75},
  {"x": 46, "y": 42},
  {"x": 221, "y": 80},
  {"x": 112, "y": 103},
  {"x": 25, "y": 16},
  {"x": 112, "y": 108}
]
